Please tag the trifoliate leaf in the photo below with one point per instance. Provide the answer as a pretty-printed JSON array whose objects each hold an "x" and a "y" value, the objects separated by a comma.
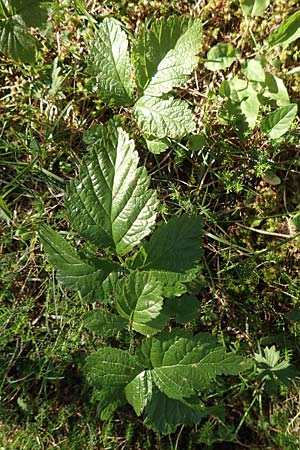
[
  {"x": 287, "y": 32},
  {"x": 278, "y": 122},
  {"x": 162, "y": 118},
  {"x": 76, "y": 273},
  {"x": 109, "y": 64},
  {"x": 138, "y": 297},
  {"x": 104, "y": 323},
  {"x": 111, "y": 367},
  {"x": 254, "y": 7},
  {"x": 111, "y": 204},
  {"x": 16, "y": 42},
  {"x": 221, "y": 56},
  {"x": 165, "y": 55}
]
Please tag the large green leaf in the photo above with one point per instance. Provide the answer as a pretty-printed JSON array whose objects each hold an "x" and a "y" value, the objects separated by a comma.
[
  {"x": 33, "y": 12},
  {"x": 109, "y": 64},
  {"x": 111, "y": 204},
  {"x": 164, "y": 117},
  {"x": 164, "y": 414},
  {"x": 178, "y": 63},
  {"x": 138, "y": 297},
  {"x": 76, "y": 273},
  {"x": 254, "y": 7},
  {"x": 165, "y": 55},
  {"x": 104, "y": 323},
  {"x": 111, "y": 367},
  {"x": 221, "y": 56},
  {"x": 175, "y": 246},
  {"x": 15, "y": 41},
  {"x": 278, "y": 122},
  {"x": 179, "y": 364},
  {"x": 287, "y": 32}
]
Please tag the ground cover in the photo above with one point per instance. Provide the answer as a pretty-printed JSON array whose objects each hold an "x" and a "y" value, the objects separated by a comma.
[{"x": 242, "y": 182}]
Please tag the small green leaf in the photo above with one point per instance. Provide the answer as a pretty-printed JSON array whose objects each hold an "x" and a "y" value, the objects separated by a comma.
[
  {"x": 274, "y": 89},
  {"x": 104, "y": 323},
  {"x": 138, "y": 297},
  {"x": 293, "y": 314},
  {"x": 16, "y": 42},
  {"x": 139, "y": 391},
  {"x": 221, "y": 56},
  {"x": 5, "y": 213},
  {"x": 278, "y": 122},
  {"x": 111, "y": 204},
  {"x": 162, "y": 118},
  {"x": 156, "y": 145},
  {"x": 254, "y": 7},
  {"x": 76, "y": 273},
  {"x": 109, "y": 64},
  {"x": 254, "y": 70},
  {"x": 287, "y": 32}
]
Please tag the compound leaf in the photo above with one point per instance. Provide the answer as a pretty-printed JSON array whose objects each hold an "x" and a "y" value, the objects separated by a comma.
[
  {"x": 162, "y": 118},
  {"x": 138, "y": 297},
  {"x": 278, "y": 122},
  {"x": 221, "y": 56},
  {"x": 165, "y": 55},
  {"x": 109, "y": 64},
  {"x": 111, "y": 204},
  {"x": 76, "y": 273},
  {"x": 104, "y": 323},
  {"x": 16, "y": 42},
  {"x": 287, "y": 32}
]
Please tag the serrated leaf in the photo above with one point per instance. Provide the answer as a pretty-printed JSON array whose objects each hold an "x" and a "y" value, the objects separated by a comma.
[
  {"x": 104, "y": 323},
  {"x": 110, "y": 399},
  {"x": 254, "y": 70},
  {"x": 268, "y": 366},
  {"x": 164, "y": 414},
  {"x": 76, "y": 273},
  {"x": 16, "y": 42},
  {"x": 175, "y": 246},
  {"x": 111, "y": 204},
  {"x": 221, "y": 56},
  {"x": 109, "y": 64},
  {"x": 139, "y": 391},
  {"x": 185, "y": 308},
  {"x": 177, "y": 64},
  {"x": 254, "y": 7},
  {"x": 278, "y": 122},
  {"x": 182, "y": 363},
  {"x": 138, "y": 297},
  {"x": 162, "y": 118},
  {"x": 111, "y": 367},
  {"x": 33, "y": 12},
  {"x": 287, "y": 32},
  {"x": 157, "y": 51}
]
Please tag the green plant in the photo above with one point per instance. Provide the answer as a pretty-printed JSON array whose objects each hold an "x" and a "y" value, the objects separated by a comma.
[
  {"x": 253, "y": 85},
  {"x": 140, "y": 285},
  {"x": 163, "y": 56},
  {"x": 16, "y": 16}
]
